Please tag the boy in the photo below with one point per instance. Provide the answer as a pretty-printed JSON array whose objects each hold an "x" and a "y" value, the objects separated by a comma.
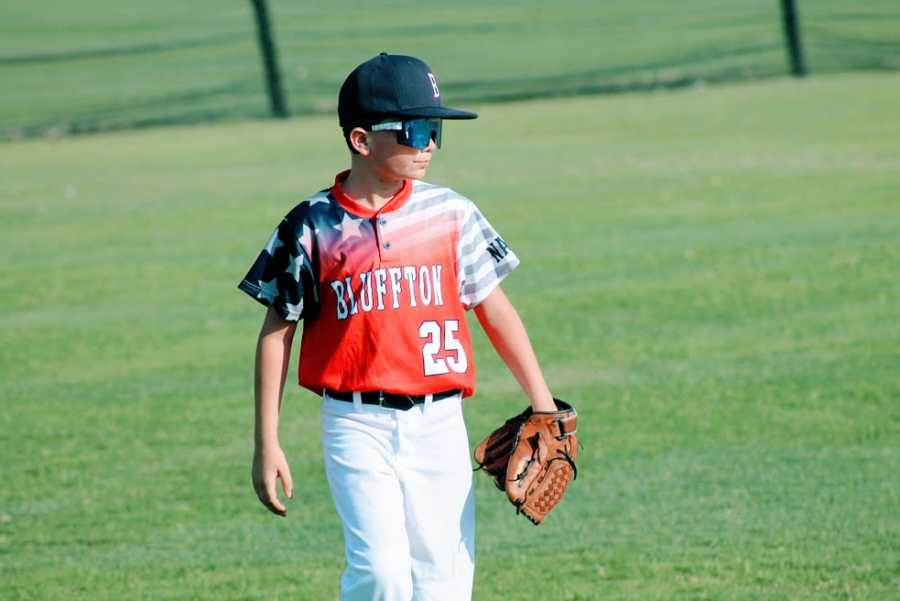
[{"x": 381, "y": 268}]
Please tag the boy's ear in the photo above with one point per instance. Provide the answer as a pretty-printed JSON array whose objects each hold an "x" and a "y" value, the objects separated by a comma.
[{"x": 359, "y": 140}]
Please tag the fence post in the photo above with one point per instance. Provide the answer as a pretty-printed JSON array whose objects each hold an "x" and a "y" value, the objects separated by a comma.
[
  {"x": 792, "y": 37},
  {"x": 270, "y": 60}
]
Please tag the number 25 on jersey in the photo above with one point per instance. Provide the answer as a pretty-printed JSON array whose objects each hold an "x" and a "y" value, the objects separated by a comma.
[{"x": 453, "y": 355}]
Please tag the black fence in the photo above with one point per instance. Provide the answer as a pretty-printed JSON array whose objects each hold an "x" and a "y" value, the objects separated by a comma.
[{"x": 69, "y": 71}]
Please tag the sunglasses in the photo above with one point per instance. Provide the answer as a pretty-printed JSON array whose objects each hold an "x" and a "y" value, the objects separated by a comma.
[{"x": 417, "y": 133}]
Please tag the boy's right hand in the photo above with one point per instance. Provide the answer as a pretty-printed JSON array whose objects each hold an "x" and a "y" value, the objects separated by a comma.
[{"x": 270, "y": 464}]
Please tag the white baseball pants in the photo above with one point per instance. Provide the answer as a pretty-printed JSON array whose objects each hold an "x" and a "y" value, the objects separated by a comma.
[{"x": 401, "y": 482}]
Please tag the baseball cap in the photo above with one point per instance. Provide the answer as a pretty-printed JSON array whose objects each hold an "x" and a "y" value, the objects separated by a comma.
[{"x": 392, "y": 85}]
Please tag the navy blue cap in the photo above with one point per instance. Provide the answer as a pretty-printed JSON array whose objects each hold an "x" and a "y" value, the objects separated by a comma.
[{"x": 392, "y": 85}]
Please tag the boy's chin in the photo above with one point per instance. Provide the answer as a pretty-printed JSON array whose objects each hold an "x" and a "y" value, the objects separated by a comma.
[{"x": 419, "y": 171}]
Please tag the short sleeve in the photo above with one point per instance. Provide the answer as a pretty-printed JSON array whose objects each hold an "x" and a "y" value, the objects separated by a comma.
[
  {"x": 283, "y": 276},
  {"x": 483, "y": 258}
]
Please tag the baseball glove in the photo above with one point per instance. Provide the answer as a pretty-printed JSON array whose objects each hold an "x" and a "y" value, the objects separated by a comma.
[{"x": 531, "y": 457}]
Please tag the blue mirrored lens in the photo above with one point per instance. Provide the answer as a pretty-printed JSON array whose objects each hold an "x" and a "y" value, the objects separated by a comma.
[{"x": 419, "y": 132}]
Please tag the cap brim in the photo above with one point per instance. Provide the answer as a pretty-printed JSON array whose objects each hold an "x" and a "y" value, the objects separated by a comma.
[{"x": 435, "y": 112}]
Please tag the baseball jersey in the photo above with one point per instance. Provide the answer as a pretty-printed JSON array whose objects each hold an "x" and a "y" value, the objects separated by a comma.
[{"x": 382, "y": 294}]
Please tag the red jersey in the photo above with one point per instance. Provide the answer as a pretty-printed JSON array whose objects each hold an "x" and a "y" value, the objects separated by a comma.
[{"x": 382, "y": 294}]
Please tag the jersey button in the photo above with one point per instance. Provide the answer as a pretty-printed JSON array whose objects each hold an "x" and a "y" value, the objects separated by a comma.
[{"x": 387, "y": 245}]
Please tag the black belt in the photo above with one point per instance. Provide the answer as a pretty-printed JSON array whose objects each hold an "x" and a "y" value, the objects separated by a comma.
[{"x": 390, "y": 400}]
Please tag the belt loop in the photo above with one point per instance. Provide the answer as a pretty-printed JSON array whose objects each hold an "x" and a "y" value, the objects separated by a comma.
[
  {"x": 357, "y": 401},
  {"x": 429, "y": 398}
]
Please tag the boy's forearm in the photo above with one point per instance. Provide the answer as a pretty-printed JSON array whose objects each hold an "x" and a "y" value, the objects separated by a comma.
[
  {"x": 507, "y": 334},
  {"x": 273, "y": 353}
]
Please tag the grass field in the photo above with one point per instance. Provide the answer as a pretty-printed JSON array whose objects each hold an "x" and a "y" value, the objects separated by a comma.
[
  {"x": 102, "y": 64},
  {"x": 710, "y": 275}
]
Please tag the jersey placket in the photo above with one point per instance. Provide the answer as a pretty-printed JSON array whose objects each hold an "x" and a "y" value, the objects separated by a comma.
[{"x": 386, "y": 252}]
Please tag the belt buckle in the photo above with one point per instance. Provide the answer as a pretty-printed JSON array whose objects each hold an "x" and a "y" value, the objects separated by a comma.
[{"x": 393, "y": 405}]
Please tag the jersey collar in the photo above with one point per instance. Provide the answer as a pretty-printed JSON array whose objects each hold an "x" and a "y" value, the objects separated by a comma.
[{"x": 352, "y": 205}]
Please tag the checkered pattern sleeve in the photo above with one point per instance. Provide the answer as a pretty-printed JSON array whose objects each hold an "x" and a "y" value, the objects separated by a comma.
[
  {"x": 284, "y": 276},
  {"x": 483, "y": 258}
]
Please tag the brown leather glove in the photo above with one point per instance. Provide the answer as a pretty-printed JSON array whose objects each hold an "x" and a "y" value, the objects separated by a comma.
[{"x": 532, "y": 458}]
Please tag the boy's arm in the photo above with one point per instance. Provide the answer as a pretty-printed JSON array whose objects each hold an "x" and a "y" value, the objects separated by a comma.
[
  {"x": 507, "y": 334},
  {"x": 273, "y": 354}
]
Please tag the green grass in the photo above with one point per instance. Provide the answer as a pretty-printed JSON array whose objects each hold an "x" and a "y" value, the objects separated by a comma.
[
  {"x": 710, "y": 276},
  {"x": 104, "y": 64}
]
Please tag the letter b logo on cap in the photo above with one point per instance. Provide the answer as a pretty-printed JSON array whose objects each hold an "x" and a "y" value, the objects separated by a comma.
[{"x": 437, "y": 93}]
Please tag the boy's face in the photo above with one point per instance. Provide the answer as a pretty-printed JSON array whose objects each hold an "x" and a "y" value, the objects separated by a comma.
[{"x": 393, "y": 161}]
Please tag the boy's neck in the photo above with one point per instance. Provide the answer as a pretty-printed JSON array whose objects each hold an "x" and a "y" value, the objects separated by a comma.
[{"x": 368, "y": 189}]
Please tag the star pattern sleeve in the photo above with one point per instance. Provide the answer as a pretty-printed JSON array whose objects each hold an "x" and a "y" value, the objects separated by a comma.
[
  {"x": 283, "y": 276},
  {"x": 483, "y": 258}
]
